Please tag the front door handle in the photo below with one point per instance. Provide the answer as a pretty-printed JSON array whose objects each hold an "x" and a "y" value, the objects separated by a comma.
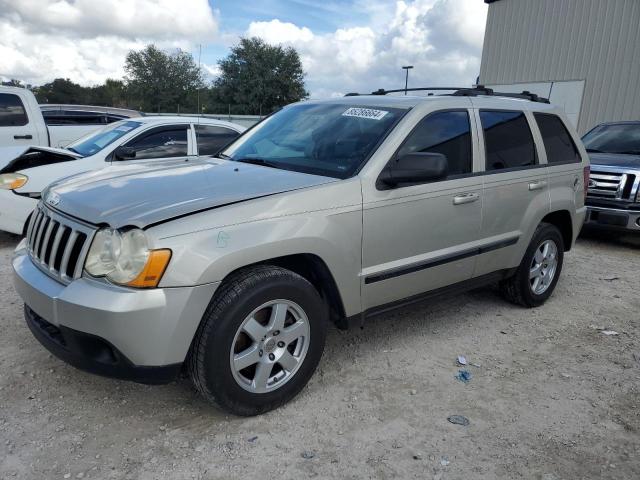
[
  {"x": 23, "y": 137},
  {"x": 539, "y": 185},
  {"x": 465, "y": 198}
]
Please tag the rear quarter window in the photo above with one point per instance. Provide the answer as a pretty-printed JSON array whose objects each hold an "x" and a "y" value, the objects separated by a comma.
[
  {"x": 557, "y": 140},
  {"x": 508, "y": 140},
  {"x": 212, "y": 138}
]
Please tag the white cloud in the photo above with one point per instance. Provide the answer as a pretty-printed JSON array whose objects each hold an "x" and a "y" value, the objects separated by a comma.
[
  {"x": 213, "y": 71},
  {"x": 442, "y": 39},
  {"x": 87, "y": 40},
  {"x": 276, "y": 32},
  {"x": 158, "y": 19}
]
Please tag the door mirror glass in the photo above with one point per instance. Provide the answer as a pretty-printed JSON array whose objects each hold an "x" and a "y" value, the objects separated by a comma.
[
  {"x": 413, "y": 168},
  {"x": 124, "y": 153}
]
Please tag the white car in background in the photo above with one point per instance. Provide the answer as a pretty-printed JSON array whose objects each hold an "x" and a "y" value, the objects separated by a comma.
[{"x": 120, "y": 144}]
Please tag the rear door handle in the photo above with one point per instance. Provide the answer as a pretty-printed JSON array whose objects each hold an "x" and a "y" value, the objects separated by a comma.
[
  {"x": 537, "y": 185},
  {"x": 23, "y": 137},
  {"x": 465, "y": 198}
]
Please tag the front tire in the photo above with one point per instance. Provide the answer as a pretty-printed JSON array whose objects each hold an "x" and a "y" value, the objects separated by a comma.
[
  {"x": 538, "y": 273},
  {"x": 259, "y": 341}
]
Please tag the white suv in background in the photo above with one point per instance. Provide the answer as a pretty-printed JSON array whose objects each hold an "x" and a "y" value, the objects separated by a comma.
[{"x": 120, "y": 144}]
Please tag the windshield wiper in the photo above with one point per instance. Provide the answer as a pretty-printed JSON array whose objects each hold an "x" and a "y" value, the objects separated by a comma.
[
  {"x": 224, "y": 156},
  {"x": 593, "y": 150},
  {"x": 630, "y": 152},
  {"x": 73, "y": 150},
  {"x": 256, "y": 161}
]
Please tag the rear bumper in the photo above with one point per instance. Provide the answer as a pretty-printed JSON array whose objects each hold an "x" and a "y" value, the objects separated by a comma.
[
  {"x": 14, "y": 211},
  {"x": 141, "y": 335},
  {"x": 613, "y": 218}
]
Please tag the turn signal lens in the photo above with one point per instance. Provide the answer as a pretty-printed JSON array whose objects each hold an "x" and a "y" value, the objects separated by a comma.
[
  {"x": 154, "y": 269},
  {"x": 12, "y": 181}
]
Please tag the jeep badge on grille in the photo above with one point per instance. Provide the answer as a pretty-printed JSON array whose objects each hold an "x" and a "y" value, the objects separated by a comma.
[{"x": 53, "y": 199}]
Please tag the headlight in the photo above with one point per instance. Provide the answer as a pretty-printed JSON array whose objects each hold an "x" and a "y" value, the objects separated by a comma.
[
  {"x": 12, "y": 181},
  {"x": 125, "y": 258}
]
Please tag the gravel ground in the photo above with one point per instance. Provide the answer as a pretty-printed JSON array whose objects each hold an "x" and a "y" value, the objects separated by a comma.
[{"x": 551, "y": 396}]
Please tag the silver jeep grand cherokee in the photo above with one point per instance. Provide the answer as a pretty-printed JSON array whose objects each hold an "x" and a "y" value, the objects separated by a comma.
[{"x": 233, "y": 267}]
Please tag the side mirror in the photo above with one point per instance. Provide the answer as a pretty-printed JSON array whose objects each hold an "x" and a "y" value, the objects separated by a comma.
[
  {"x": 415, "y": 167},
  {"x": 124, "y": 153}
]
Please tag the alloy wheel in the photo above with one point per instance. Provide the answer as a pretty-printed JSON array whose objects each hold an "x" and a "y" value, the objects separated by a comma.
[
  {"x": 543, "y": 267},
  {"x": 269, "y": 346}
]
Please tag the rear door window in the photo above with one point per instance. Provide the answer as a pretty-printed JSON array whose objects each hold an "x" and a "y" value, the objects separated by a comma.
[
  {"x": 508, "y": 140},
  {"x": 12, "y": 112},
  {"x": 557, "y": 141},
  {"x": 448, "y": 133},
  {"x": 161, "y": 142},
  {"x": 211, "y": 138},
  {"x": 72, "y": 117}
]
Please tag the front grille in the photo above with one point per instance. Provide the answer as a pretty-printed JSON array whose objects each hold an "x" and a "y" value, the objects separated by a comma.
[
  {"x": 58, "y": 245},
  {"x": 612, "y": 185}
]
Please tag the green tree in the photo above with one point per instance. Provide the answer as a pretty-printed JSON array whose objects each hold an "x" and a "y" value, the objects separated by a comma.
[
  {"x": 258, "y": 78},
  {"x": 13, "y": 83},
  {"x": 63, "y": 90},
  {"x": 163, "y": 82},
  {"x": 112, "y": 93}
]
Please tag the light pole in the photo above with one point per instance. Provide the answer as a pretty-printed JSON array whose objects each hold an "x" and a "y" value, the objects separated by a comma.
[{"x": 406, "y": 79}]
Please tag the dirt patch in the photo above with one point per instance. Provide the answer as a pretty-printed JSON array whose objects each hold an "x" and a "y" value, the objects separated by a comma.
[{"x": 552, "y": 397}]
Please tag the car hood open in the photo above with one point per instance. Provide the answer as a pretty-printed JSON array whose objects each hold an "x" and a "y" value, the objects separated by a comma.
[
  {"x": 148, "y": 193},
  {"x": 615, "y": 160},
  {"x": 14, "y": 159}
]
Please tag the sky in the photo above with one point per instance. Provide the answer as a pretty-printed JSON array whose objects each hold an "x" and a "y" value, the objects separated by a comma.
[{"x": 345, "y": 46}]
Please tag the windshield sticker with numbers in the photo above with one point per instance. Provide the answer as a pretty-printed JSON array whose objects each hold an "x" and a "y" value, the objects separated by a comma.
[{"x": 369, "y": 113}]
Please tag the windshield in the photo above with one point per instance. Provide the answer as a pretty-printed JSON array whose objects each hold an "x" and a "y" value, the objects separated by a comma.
[
  {"x": 620, "y": 138},
  {"x": 323, "y": 139},
  {"x": 95, "y": 141}
]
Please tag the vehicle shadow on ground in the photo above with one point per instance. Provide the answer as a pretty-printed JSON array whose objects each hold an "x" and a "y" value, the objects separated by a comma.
[
  {"x": 9, "y": 240},
  {"x": 611, "y": 238}
]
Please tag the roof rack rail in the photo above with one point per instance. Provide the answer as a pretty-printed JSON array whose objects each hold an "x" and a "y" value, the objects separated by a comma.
[
  {"x": 482, "y": 90},
  {"x": 382, "y": 91},
  {"x": 474, "y": 91}
]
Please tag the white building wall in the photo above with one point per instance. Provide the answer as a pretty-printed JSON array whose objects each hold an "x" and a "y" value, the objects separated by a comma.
[{"x": 593, "y": 41}]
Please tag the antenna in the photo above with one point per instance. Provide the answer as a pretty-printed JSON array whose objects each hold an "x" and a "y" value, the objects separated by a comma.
[{"x": 200, "y": 72}]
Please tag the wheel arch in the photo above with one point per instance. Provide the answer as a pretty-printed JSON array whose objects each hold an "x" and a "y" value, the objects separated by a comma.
[
  {"x": 561, "y": 219},
  {"x": 315, "y": 271}
]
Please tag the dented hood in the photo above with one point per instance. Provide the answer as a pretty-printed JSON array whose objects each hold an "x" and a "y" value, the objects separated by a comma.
[
  {"x": 14, "y": 159},
  {"x": 148, "y": 193}
]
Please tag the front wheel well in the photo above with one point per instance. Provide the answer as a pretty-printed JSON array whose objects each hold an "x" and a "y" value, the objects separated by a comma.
[
  {"x": 315, "y": 271},
  {"x": 561, "y": 219}
]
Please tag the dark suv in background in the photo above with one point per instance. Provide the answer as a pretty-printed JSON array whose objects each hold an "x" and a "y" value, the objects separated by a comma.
[{"x": 613, "y": 198}]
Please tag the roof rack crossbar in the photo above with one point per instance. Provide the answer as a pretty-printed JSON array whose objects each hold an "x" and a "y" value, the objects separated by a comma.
[{"x": 382, "y": 91}]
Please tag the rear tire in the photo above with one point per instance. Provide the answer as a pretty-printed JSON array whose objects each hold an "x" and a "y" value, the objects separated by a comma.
[
  {"x": 244, "y": 363},
  {"x": 538, "y": 273}
]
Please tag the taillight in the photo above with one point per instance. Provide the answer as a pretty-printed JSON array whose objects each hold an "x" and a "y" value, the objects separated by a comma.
[{"x": 586, "y": 172}]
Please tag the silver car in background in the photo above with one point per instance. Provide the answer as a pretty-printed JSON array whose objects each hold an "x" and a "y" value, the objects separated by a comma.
[{"x": 327, "y": 211}]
